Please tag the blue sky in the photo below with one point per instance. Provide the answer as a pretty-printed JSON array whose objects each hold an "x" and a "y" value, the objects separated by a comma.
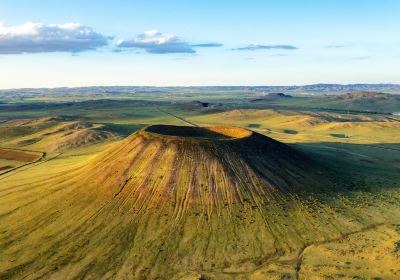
[{"x": 83, "y": 43}]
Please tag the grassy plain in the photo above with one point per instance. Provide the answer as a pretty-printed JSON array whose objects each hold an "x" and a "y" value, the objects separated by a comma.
[{"x": 60, "y": 217}]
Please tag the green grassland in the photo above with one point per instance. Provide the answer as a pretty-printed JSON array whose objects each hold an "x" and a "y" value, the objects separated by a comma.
[
  {"x": 370, "y": 254},
  {"x": 103, "y": 204}
]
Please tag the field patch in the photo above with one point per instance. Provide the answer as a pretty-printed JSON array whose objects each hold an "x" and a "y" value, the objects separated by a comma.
[
  {"x": 21, "y": 156},
  {"x": 6, "y": 167}
]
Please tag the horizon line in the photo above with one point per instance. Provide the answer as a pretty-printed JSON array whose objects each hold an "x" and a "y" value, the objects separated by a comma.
[{"x": 203, "y": 86}]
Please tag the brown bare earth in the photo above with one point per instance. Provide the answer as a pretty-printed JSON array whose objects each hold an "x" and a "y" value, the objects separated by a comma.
[
  {"x": 18, "y": 155},
  {"x": 6, "y": 167}
]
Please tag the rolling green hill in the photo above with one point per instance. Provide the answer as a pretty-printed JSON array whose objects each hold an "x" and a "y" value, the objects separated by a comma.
[{"x": 376, "y": 102}]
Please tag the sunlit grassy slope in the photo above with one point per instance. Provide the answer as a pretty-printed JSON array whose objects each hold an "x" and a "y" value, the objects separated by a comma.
[
  {"x": 52, "y": 135},
  {"x": 291, "y": 126},
  {"x": 370, "y": 254}
]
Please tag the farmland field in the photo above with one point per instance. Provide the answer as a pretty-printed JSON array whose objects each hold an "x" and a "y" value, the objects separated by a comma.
[{"x": 11, "y": 158}]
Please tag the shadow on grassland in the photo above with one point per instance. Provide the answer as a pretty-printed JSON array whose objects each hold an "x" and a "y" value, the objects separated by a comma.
[{"x": 357, "y": 166}]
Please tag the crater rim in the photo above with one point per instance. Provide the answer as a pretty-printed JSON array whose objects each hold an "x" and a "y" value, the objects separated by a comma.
[{"x": 199, "y": 133}]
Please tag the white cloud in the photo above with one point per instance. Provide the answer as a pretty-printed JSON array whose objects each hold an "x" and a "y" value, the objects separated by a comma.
[
  {"x": 254, "y": 47},
  {"x": 153, "y": 41},
  {"x": 208, "y": 45},
  {"x": 34, "y": 37}
]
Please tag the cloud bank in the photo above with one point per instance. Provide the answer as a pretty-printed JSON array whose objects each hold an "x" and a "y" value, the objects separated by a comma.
[
  {"x": 153, "y": 41},
  {"x": 255, "y": 47},
  {"x": 208, "y": 45},
  {"x": 73, "y": 37},
  {"x": 33, "y": 37}
]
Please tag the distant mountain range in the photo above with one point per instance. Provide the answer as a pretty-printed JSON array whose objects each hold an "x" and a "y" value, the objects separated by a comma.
[
  {"x": 337, "y": 88},
  {"x": 117, "y": 90},
  {"x": 375, "y": 101}
]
